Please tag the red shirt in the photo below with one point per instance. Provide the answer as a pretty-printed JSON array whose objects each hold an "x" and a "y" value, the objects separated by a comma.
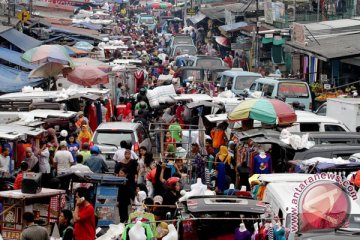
[
  {"x": 84, "y": 229},
  {"x": 18, "y": 180}
]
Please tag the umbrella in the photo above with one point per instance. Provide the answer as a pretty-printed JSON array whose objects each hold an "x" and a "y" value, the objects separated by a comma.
[
  {"x": 87, "y": 76},
  {"x": 47, "y": 70},
  {"x": 84, "y": 46},
  {"x": 223, "y": 41},
  {"x": 91, "y": 62},
  {"x": 269, "y": 111},
  {"x": 161, "y": 5},
  {"x": 75, "y": 51},
  {"x": 47, "y": 53}
]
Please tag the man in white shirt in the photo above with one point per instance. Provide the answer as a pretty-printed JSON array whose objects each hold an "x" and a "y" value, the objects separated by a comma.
[
  {"x": 5, "y": 160},
  {"x": 79, "y": 166},
  {"x": 63, "y": 159},
  {"x": 120, "y": 153}
]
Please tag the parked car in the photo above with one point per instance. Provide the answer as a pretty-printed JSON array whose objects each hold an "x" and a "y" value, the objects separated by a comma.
[
  {"x": 238, "y": 79},
  {"x": 288, "y": 89},
  {"x": 311, "y": 122},
  {"x": 203, "y": 216},
  {"x": 109, "y": 135},
  {"x": 206, "y": 62},
  {"x": 147, "y": 21}
]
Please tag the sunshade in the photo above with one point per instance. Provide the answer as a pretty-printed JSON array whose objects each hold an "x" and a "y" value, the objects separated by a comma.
[
  {"x": 223, "y": 41},
  {"x": 48, "y": 53},
  {"x": 84, "y": 46},
  {"x": 85, "y": 61},
  {"x": 161, "y": 5},
  {"x": 47, "y": 70},
  {"x": 269, "y": 111},
  {"x": 87, "y": 76}
]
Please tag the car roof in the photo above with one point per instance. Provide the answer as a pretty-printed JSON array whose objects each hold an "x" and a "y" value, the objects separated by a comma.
[
  {"x": 273, "y": 80},
  {"x": 308, "y": 117},
  {"x": 118, "y": 125},
  {"x": 197, "y": 204},
  {"x": 239, "y": 72}
]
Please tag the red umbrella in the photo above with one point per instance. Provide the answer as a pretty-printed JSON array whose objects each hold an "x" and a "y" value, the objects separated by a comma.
[
  {"x": 223, "y": 41},
  {"x": 87, "y": 76}
]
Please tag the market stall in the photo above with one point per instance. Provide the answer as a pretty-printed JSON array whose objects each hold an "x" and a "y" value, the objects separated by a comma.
[{"x": 45, "y": 205}]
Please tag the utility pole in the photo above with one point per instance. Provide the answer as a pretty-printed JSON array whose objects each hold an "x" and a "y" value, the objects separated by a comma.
[
  {"x": 257, "y": 36},
  {"x": 9, "y": 12}
]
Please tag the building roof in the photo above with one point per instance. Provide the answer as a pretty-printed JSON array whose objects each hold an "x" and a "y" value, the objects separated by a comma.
[
  {"x": 76, "y": 31},
  {"x": 232, "y": 27},
  {"x": 334, "y": 47},
  {"x": 218, "y": 12},
  {"x": 20, "y": 40}
]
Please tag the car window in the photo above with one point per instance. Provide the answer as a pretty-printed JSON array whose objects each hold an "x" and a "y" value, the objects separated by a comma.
[
  {"x": 140, "y": 132},
  {"x": 267, "y": 90},
  {"x": 208, "y": 63},
  {"x": 147, "y": 20},
  {"x": 259, "y": 87},
  {"x": 112, "y": 137},
  {"x": 182, "y": 40},
  {"x": 309, "y": 127},
  {"x": 243, "y": 82},
  {"x": 252, "y": 87},
  {"x": 293, "y": 90},
  {"x": 321, "y": 110},
  {"x": 333, "y": 128},
  {"x": 190, "y": 50},
  {"x": 227, "y": 80}
]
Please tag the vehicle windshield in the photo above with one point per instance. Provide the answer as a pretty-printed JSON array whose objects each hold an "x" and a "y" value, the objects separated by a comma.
[
  {"x": 112, "y": 137},
  {"x": 190, "y": 50},
  {"x": 293, "y": 90},
  {"x": 147, "y": 20},
  {"x": 208, "y": 63},
  {"x": 182, "y": 40},
  {"x": 243, "y": 82},
  {"x": 197, "y": 74}
]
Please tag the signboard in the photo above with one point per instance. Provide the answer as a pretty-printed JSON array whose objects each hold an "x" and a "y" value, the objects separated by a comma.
[
  {"x": 278, "y": 9},
  {"x": 298, "y": 33},
  {"x": 23, "y": 16},
  {"x": 191, "y": 11},
  {"x": 327, "y": 86},
  {"x": 105, "y": 206}
]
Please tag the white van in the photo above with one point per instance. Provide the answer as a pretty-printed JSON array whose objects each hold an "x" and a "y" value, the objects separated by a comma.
[
  {"x": 238, "y": 79},
  {"x": 311, "y": 122}
]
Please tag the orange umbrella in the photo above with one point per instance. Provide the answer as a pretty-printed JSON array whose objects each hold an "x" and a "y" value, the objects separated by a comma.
[
  {"x": 223, "y": 41},
  {"x": 87, "y": 76}
]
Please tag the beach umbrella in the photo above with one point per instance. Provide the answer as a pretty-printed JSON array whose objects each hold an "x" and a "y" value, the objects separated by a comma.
[
  {"x": 84, "y": 46},
  {"x": 87, "y": 76},
  {"x": 85, "y": 61},
  {"x": 223, "y": 41},
  {"x": 48, "y": 53},
  {"x": 47, "y": 70},
  {"x": 269, "y": 111},
  {"x": 161, "y": 5}
]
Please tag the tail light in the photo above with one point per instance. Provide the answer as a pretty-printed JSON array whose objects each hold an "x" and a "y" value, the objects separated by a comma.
[{"x": 136, "y": 147}]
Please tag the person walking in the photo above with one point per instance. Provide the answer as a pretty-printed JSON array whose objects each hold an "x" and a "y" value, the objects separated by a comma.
[
  {"x": 84, "y": 216},
  {"x": 96, "y": 163},
  {"x": 33, "y": 231},
  {"x": 63, "y": 159}
]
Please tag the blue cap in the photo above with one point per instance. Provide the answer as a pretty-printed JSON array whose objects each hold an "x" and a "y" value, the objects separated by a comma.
[{"x": 95, "y": 149}]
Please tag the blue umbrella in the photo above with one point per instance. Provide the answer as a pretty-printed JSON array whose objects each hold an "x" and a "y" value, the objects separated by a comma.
[{"x": 84, "y": 46}]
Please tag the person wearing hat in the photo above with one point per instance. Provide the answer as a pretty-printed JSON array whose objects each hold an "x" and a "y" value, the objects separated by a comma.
[
  {"x": 96, "y": 162},
  {"x": 63, "y": 159}
]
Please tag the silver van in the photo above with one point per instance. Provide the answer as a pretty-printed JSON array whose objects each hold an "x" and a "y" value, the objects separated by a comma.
[{"x": 238, "y": 79}]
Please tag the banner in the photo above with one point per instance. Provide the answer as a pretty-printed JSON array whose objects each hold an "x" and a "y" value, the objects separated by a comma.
[{"x": 268, "y": 11}]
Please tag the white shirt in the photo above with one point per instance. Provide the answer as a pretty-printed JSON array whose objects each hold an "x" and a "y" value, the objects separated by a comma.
[
  {"x": 44, "y": 164},
  {"x": 63, "y": 158},
  {"x": 4, "y": 163},
  {"x": 120, "y": 155},
  {"x": 80, "y": 168}
]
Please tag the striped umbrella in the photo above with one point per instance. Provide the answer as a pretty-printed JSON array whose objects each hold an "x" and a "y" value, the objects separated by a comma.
[
  {"x": 48, "y": 53},
  {"x": 269, "y": 111},
  {"x": 161, "y": 5}
]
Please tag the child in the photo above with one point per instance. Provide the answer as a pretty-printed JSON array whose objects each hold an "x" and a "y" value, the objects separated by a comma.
[{"x": 18, "y": 181}]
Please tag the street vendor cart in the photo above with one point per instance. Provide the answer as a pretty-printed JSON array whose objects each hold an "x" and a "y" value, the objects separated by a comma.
[{"x": 45, "y": 205}]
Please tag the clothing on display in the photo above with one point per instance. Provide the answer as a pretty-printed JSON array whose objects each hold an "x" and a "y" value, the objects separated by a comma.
[
  {"x": 241, "y": 233},
  {"x": 262, "y": 164},
  {"x": 93, "y": 122}
]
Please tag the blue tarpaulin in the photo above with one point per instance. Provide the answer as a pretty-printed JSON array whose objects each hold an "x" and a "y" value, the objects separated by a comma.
[
  {"x": 13, "y": 80},
  {"x": 20, "y": 40},
  {"x": 15, "y": 58}
]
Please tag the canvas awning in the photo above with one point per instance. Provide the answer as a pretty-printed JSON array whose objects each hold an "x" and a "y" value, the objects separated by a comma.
[
  {"x": 232, "y": 27},
  {"x": 197, "y": 18},
  {"x": 15, "y": 58},
  {"x": 20, "y": 40}
]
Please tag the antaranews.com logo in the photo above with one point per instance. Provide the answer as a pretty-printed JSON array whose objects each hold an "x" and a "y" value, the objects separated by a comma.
[{"x": 321, "y": 201}]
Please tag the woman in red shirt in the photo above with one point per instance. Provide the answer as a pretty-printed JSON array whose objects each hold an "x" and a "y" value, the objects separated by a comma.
[{"x": 84, "y": 216}]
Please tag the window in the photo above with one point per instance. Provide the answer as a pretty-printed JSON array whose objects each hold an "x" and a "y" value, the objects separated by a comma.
[
  {"x": 227, "y": 80},
  {"x": 293, "y": 90},
  {"x": 267, "y": 90},
  {"x": 147, "y": 20},
  {"x": 333, "y": 128},
  {"x": 112, "y": 137},
  {"x": 182, "y": 40},
  {"x": 208, "y": 63},
  {"x": 243, "y": 82},
  {"x": 309, "y": 127},
  {"x": 259, "y": 87},
  {"x": 252, "y": 87}
]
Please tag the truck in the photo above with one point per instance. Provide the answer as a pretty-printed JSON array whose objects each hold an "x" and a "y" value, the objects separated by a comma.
[{"x": 346, "y": 110}]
